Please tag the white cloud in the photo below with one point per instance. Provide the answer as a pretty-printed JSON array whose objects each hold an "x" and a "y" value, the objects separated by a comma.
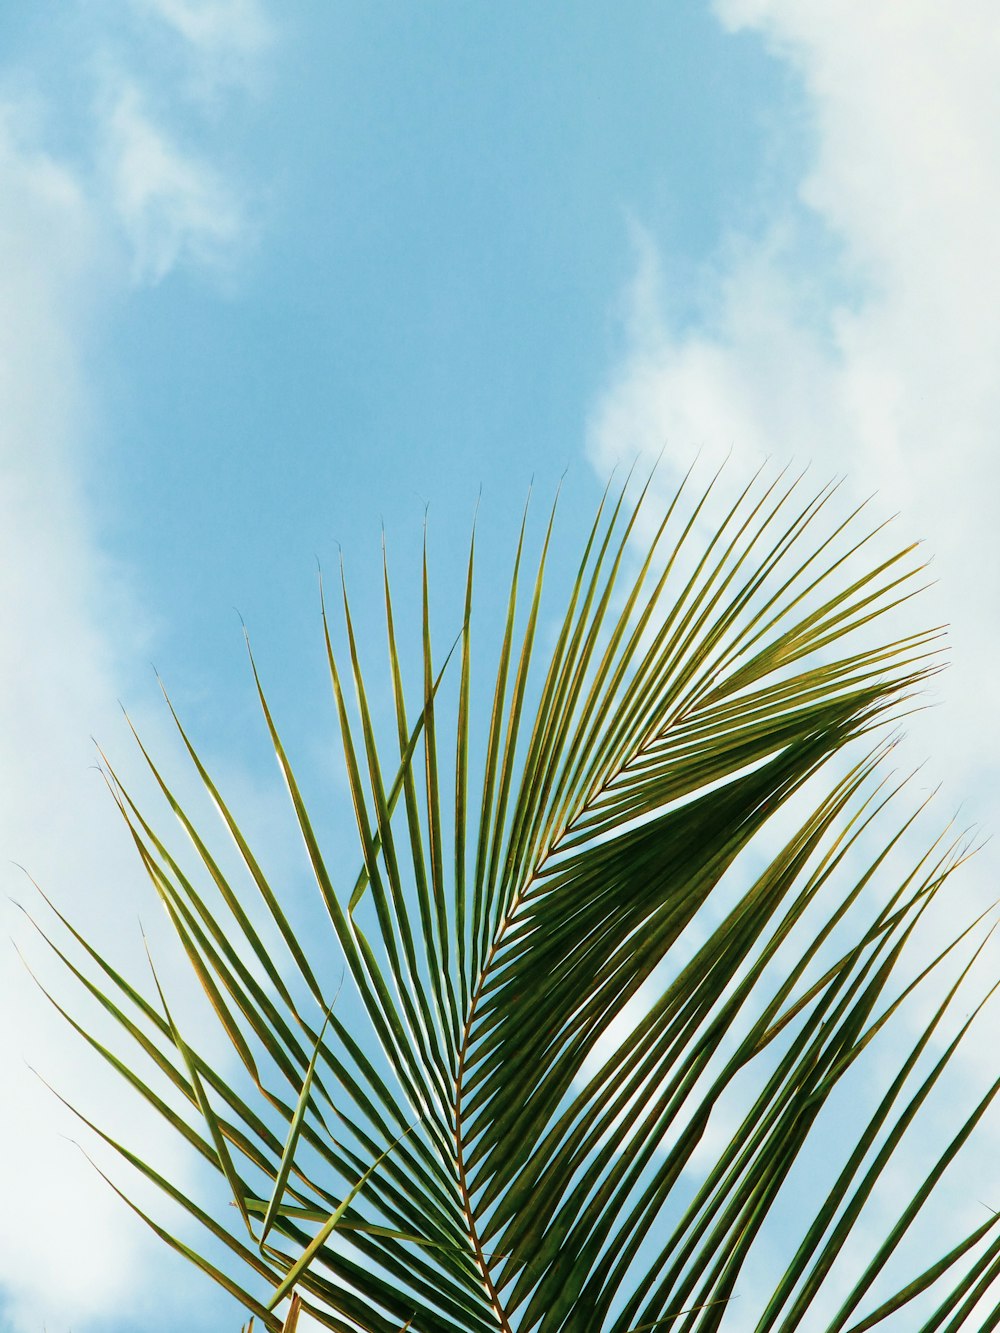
[
  {"x": 74, "y": 638},
  {"x": 880, "y": 362},
  {"x": 896, "y": 386},
  {"x": 57, "y": 679}
]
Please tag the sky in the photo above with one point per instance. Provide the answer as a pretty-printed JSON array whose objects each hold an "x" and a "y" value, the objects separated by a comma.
[{"x": 275, "y": 277}]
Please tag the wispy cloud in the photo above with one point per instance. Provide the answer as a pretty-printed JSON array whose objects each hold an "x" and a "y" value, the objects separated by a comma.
[
  {"x": 218, "y": 27},
  {"x": 226, "y": 39},
  {"x": 173, "y": 206}
]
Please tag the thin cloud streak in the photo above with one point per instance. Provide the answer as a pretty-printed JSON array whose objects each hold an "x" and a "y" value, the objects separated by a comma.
[
  {"x": 225, "y": 43},
  {"x": 172, "y": 206},
  {"x": 220, "y": 30}
]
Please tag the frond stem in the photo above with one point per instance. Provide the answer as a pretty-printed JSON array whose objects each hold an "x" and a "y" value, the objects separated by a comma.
[{"x": 481, "y": 1261}]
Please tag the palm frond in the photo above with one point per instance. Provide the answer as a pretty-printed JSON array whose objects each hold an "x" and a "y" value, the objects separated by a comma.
[{"x": 575, "y": 931}]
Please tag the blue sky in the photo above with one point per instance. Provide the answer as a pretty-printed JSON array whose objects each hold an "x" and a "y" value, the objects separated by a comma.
[
  {"x": 275, "y": 276},
  {"x": 438, "y": 210}
]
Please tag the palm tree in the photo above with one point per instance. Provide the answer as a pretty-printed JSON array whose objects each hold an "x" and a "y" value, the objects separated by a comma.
[{"x": 581, "y": 933}]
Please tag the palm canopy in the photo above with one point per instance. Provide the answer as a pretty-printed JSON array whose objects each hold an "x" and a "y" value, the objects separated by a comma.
[{"x": 465, "y": 1141}]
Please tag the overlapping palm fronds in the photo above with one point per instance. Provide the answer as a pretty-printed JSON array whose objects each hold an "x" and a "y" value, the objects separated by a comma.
[{"x": 572, "y": 934}]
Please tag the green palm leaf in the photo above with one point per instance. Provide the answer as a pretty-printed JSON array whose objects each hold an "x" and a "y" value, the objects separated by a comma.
[{"x": 572, "y": 938}]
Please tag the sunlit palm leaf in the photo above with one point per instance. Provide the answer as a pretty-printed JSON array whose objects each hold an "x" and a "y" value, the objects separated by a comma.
[{"x": 514, "y": 1142}]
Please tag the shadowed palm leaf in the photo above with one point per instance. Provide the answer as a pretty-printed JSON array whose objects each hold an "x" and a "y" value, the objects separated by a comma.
[{"x": 552, "y": 974}]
